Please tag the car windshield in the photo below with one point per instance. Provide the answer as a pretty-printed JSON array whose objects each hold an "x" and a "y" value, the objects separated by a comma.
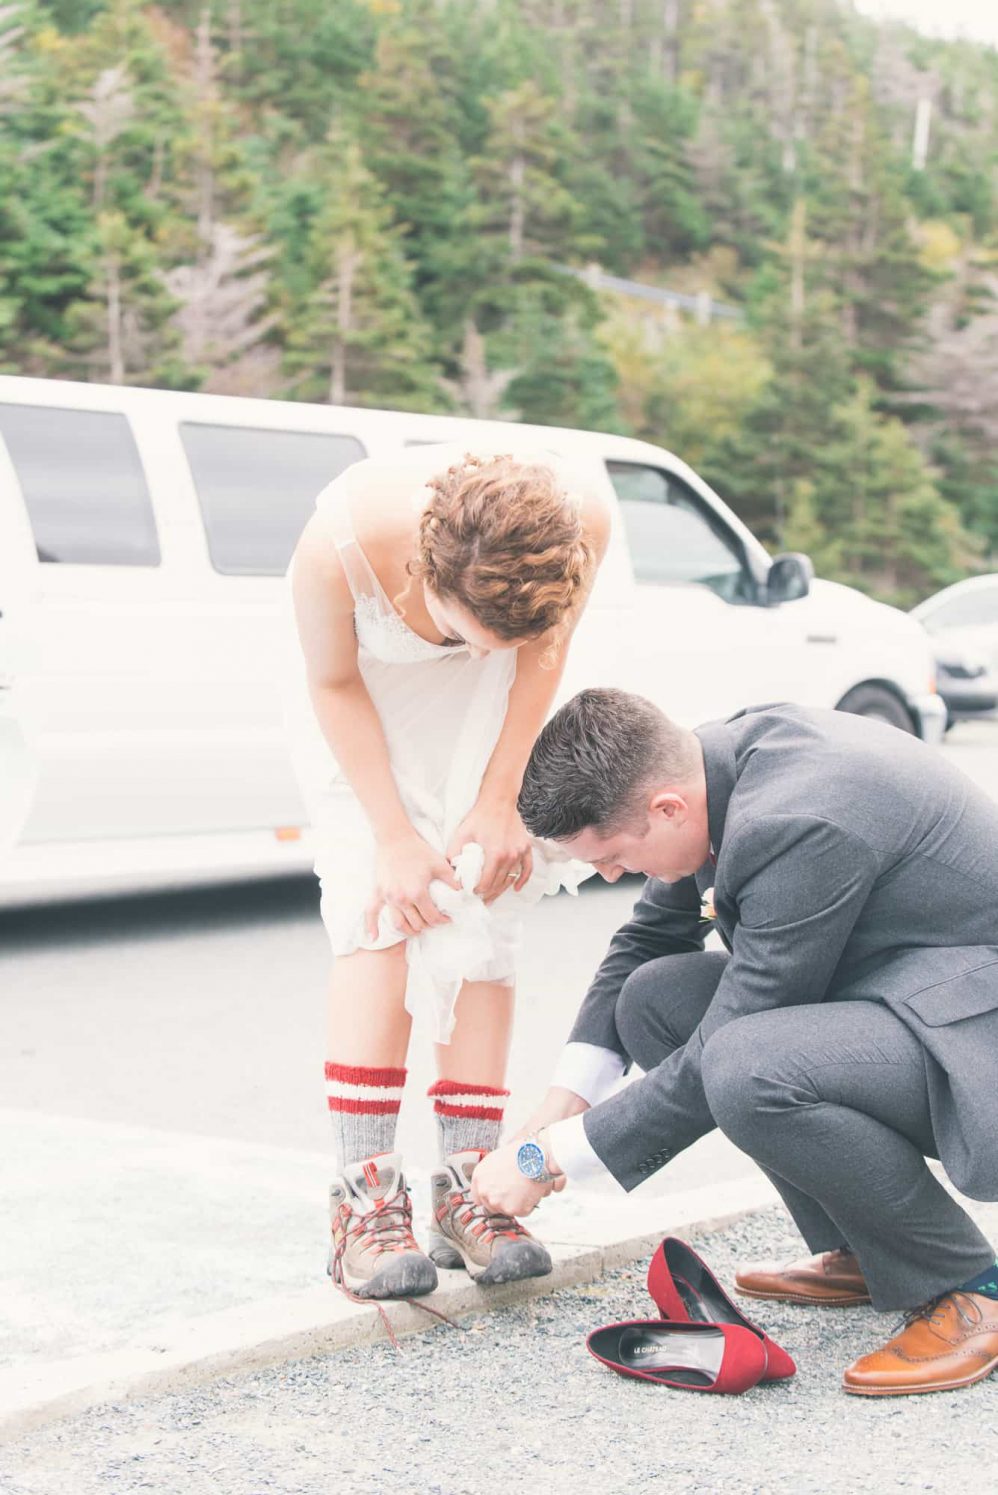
[{"x": 976, "y": 608}]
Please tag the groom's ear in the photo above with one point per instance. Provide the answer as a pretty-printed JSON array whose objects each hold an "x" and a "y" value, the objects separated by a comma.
[{"x": 668, "y": 803}]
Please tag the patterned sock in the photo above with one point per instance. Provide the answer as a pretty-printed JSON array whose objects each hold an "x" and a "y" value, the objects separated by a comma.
[
  {"x": 468, "y": 1116},
  {"x": 985, "y": 1283},
  {"x": 364, "y": 1108}
]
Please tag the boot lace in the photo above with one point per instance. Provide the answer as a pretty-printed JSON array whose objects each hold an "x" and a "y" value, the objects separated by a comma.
[
  {"x": 388, "y": 1228},
  {"x": 477, "y": 1219}
]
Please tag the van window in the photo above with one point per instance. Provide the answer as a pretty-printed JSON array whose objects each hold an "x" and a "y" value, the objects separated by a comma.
[
  {"x": 83, "y": 484},
  {"x": 257, "y": 489},
  {"x": 673, "y": 539}
]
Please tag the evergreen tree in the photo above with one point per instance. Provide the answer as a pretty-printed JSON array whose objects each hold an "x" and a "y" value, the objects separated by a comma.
[
  {"x": 870, "y": 261},
  {"x": 46, "y": 222},
  {"x": 564, "y": 377},
  {"x": 356, "y": 337},
  {"x": 300, "y": 58},
  {"x": 675, "y": 223},
  {"x": 121, "y": 332},
  {"x": 411, "y": 127},
  {"x": 524, "y": 209},
  {"x": 898, "y": 537}
]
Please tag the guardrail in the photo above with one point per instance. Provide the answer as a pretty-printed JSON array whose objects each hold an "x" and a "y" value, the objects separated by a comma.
[{"x": 703, "y": 306}]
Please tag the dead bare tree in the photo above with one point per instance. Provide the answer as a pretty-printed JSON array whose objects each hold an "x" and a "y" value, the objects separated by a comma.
[
  {"x": 12, "y": 81},
  {"x": 221, "y": 314},
  {"x": 108, "y": 110},
  {"x": 956, "y": 375},
  {"x": 478, "y": 389}
]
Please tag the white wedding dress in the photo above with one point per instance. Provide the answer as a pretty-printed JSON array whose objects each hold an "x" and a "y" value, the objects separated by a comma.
[{"x": 442, "y": 712}]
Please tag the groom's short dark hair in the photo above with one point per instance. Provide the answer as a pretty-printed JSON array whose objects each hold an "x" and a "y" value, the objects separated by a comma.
[{"x": 595, "y": 760}]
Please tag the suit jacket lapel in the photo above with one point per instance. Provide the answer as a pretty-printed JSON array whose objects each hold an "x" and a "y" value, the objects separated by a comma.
[
  {"x": 721, "y": 776},
  {"x": 719, "y": 768}
]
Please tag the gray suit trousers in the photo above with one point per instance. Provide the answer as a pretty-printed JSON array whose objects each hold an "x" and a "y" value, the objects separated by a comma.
[{"x": 831, "y": 1101}]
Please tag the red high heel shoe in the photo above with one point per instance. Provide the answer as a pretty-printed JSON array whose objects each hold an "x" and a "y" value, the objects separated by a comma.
[
  {"x": 684, "y": 1288},
  {"x": 687, "y": 1356}
]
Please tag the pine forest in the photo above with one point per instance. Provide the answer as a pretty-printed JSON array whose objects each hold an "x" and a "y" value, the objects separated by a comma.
[{"x": 431, "y": 204}]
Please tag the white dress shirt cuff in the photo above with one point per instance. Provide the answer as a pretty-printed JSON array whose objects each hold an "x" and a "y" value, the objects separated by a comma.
[
  {"x": 588, "y": 1070},
  {"x": 573, "y": 1153}
]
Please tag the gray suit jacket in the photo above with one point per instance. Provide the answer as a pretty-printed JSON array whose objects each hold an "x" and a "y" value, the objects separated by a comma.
[{"x": 852, "y": 862}]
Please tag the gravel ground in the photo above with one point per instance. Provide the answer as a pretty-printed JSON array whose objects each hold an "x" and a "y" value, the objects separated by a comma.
[{"x": 516, "y": 1404}]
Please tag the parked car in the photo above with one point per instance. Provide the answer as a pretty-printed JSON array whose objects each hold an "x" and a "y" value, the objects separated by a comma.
[
  {"x": 965, "y": 615},
  {"x": 143, "y": 539},
  {"x": 964, "y": 681},
  {"x": 962, "y": 621}
]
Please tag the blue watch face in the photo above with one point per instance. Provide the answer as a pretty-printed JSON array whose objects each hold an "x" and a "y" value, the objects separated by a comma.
[{"x": 530, "y": 1159}]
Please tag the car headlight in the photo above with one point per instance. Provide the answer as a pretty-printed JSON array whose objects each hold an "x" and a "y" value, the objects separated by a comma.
[{"x": 967, "y": 667}]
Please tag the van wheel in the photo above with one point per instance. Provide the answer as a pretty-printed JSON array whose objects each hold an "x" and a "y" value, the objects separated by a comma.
[{"x": 880, "y": 704}]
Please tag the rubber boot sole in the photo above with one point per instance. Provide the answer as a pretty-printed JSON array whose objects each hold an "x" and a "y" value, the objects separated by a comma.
[
  {"x": 409, "y": 1275},
  {"x": 522, "y": 1259},
  {"x": 444, "y": 1255}
]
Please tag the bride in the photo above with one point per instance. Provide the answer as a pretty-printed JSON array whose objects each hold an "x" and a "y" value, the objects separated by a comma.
[{"x": 435, "y": 593}]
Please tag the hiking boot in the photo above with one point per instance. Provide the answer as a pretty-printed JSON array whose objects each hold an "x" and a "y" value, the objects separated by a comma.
[
  {"x": 373, "y": 1252},
  {"x": 493, "y": 1248}
]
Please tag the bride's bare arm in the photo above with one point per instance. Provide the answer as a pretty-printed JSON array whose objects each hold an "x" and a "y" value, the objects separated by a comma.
[{"x": 351, "y": 726}]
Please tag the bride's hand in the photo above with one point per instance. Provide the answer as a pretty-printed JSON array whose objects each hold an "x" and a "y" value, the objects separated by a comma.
[
  {"x": 502, "y": 835},
  {"x": 405, "y": 868}
]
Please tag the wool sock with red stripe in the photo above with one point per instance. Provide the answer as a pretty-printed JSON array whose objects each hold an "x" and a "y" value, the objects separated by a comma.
[
  {"x": 364, "y": 1108},
  {"x": 468, "y": 1116}
]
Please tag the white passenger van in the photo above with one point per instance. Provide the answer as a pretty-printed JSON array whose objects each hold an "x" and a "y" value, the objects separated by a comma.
[{"x": 143, "y": 538}]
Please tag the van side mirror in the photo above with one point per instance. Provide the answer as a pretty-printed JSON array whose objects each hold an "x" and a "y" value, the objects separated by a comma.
[{"x": 789, "y": 578}]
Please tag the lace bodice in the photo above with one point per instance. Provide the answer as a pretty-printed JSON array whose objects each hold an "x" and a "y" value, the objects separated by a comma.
[{"x": 388, "y": 638}]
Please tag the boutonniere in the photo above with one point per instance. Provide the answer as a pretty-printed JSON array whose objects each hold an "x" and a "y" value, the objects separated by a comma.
[{"x": 707, "y": 909}]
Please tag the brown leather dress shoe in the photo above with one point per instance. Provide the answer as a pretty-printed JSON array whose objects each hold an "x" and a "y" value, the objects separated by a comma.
[
  {"x": 948, "y": 1343},
  {"x": 830, "y": 1280}
]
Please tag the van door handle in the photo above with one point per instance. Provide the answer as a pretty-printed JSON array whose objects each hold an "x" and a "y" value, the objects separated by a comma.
[{"x": 822, "y": 638}]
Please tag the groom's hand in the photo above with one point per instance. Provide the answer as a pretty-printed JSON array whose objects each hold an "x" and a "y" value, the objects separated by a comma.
[
  {"x": 498, "y": 1183},
  {"x": 558, "y": 1104}
]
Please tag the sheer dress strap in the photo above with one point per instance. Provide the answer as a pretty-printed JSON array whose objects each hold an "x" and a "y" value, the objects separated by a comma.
[{"x": 334, "y": 508}]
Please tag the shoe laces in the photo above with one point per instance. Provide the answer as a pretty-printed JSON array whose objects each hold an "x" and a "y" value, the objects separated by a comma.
[
  {"x": 932, "y": 1313},
  {"x": 474, "y": 1215},
  {"x": 387, "y": 1227},
  {"x": 389, "y": 1222}
]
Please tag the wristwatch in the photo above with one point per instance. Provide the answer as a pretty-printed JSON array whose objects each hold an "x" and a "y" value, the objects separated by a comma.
[{"x": 532, "y": 1163}]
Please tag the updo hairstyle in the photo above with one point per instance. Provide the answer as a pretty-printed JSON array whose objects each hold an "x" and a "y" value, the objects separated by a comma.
[{"x": 503, "y": 539}]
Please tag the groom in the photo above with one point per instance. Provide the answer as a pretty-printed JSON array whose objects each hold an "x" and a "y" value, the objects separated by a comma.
[{"x": 850, "y": 1030}]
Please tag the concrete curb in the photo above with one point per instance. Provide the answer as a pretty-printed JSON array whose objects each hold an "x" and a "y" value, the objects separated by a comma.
[{"x": 320, "y": 1321}]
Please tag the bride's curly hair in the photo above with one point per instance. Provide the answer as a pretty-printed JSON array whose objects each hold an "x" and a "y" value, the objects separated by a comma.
[{"x": 502, "y": 537}]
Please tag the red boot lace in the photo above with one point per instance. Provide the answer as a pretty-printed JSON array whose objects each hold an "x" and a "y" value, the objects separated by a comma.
[
  {"x": 486, "y": 1226},
  {"x": 389, "y": 1228}
]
